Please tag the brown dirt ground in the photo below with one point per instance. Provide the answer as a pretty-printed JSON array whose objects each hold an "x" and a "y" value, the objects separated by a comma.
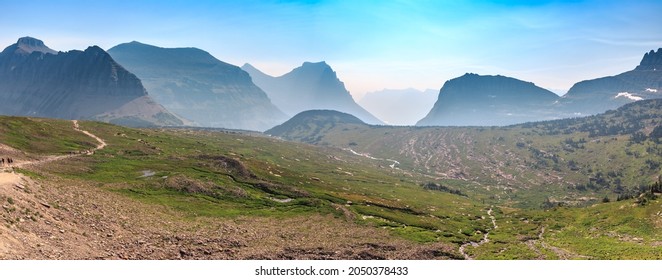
[{"x": 58, "y": 218}]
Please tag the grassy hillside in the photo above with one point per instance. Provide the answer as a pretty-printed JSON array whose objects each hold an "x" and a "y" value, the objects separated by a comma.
[
  {"x": 196, "y": 179},
  {"x": 42, "y": 136},
  {"x": 571, "y": 162}
]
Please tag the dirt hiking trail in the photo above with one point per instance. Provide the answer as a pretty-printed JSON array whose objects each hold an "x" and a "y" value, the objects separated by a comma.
[
  {"x": 102, "y": 144},
  {"x": 482, "y": 241}
]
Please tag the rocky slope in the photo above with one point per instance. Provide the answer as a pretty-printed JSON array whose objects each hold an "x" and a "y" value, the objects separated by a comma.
[
  {"x": 475, "y": 100},
  {"x": 37, "y": 81},
  {"x": 308, "y": 87},
  {"x": 598, "y": 95},
  {"x": 199, "y": 87}
]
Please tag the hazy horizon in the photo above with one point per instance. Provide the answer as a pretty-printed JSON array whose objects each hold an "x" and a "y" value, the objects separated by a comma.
[{"x": 371, "y": 45}]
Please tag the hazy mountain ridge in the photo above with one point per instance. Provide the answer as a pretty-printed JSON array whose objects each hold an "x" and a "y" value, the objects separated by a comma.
[
  {"x": 601, "y": 94},
  {"x": 399, "y": 106},
  {"x": 199, "y": 87},
  {"x": 476, "y": 100},
  {"x": 37, "y": 81},
  {"x": 308, "y": 87}
]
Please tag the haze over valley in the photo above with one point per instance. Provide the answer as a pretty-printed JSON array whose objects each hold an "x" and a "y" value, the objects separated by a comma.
[{"x": 323, "y": 130}]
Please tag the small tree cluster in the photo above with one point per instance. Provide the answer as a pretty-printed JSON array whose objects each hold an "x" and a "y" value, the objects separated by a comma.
[{"x": 439, "y": 187}]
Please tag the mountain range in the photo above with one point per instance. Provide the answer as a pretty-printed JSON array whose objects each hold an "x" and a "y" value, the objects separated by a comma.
[
  {"x": 38, "y": 81},
  {"x": 399, "y": 106},
  {"x": 477, "y": 100},
  {"x": 308, "y": 87},
  {"x": 143, "y": 85},
  {"x": 598, "y": 95},
  {"x": 574, "y": 188},
  {"x": 194, "y": 84}
]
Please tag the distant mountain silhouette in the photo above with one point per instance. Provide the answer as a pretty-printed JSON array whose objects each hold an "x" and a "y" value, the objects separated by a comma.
[
  {"x": 475, "y": 100},
  {"x": 598, "y": 95},
  {"x": 27, "y": 45},
  {"x": 399, "y": 106},
  {"x": 199, "y": 87},
  {"x": 38, "y": 81},
  {"x": 308, "y": 87},
  {"x": 306, "y": 125}
]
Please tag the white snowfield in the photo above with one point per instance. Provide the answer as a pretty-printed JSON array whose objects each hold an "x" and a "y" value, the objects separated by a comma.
[{"x": 629, "y": 95}]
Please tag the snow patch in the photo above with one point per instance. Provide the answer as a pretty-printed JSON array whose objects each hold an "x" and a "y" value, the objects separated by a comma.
[
  {"x": 629, "y": 96},
  {"x": 392, "y": 165},
  {"x": 651, "y": 90}
]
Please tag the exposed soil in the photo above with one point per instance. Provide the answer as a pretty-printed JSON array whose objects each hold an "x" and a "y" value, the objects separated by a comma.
[{"x": 59, "y": 218}]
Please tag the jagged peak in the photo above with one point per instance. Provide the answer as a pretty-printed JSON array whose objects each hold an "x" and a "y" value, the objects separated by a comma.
[
  {"x": 94, "y": 48},
  {"x": 248, "y": 66},
  {"x": 651, "y": 61}
]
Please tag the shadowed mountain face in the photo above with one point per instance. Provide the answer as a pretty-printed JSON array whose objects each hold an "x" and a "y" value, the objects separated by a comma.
[
  {"x": 37, "y": 81},
  {"x": 598, "y": 95},
  {"x": 399, "y": 106},
  {"x": 308, "y": 87},
  {"x": 199, "y": 87},
  {"x": 474, "y": 100}
]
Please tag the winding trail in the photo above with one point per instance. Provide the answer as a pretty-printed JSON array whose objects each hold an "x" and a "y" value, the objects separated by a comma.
[
  {"x": 102, "y": 144},
  {"x": 560, "y": 253},
  {"x": 482, "y": 241}
]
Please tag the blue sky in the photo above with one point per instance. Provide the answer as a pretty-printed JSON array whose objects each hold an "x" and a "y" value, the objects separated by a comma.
[{"x": 371, "y": 44}]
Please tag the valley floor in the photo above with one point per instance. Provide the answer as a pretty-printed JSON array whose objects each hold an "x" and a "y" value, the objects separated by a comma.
[
  {"x": 57, "y": 218},
  {"x": 118, "y": 193},
  {"x": 61, "y": 219}
]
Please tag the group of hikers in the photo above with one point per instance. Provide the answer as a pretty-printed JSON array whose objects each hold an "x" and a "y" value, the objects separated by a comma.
[{"x": 7, "y": 161}]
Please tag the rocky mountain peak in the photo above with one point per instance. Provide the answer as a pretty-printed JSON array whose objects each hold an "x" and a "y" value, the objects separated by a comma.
[
  {"x": 96, "y": 50},
  {"x": 248, "y": 66},
  {"x": 321, "y": 64},
  {"x": 195, "y": 85},
  {"x": 313, "y": 85},
  {"x": 74, "y": 85},
  {"x": 29, "y": 41},
  {"x": 314, "y": 68},
  {"x": 651, "y": 61},
  {"x": 27, "y": 45},
  {"x": 474, "y": 99}
]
